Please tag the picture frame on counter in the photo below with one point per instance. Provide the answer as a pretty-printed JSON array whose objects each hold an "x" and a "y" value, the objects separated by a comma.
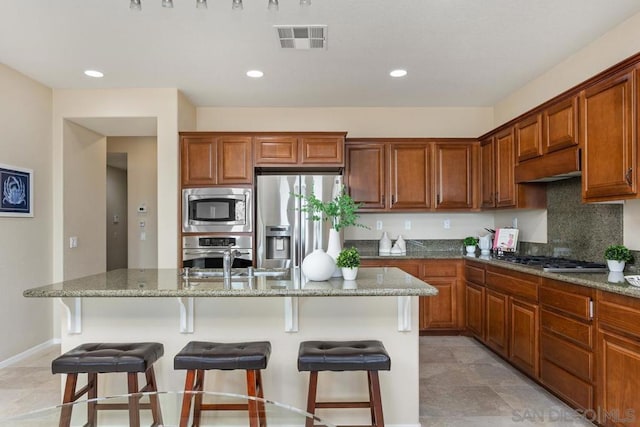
[{"x": 16, "y": 186}]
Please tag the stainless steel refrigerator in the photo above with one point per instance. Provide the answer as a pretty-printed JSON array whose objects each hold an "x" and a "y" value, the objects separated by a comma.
[{"x": 284, "y": 234}]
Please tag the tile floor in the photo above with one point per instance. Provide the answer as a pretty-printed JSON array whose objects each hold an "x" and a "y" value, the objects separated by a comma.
[{"x": 461, "y": 384}]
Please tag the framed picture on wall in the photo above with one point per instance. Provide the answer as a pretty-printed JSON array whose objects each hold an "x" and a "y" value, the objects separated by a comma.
[{"x": 16, "y": 185}]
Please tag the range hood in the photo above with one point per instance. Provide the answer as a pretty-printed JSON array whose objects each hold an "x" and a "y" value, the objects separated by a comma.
[{"x": 555, "y": 166}]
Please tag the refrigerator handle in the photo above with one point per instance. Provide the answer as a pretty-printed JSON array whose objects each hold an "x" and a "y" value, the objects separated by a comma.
[
  {"x": 302, "y": 226},
  {"x": 296, "y": 235}
]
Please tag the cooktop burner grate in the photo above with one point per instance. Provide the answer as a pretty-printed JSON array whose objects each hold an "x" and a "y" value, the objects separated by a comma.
[{"x": 557, "y": 265}]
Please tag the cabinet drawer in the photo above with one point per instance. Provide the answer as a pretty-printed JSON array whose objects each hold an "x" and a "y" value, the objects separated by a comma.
[
  {"x": 474, "y": 274},
  {"x": 569, "y": 329},
  {"x": 620, "y": 312},
  {"x": 513, "y": 283},
  {"x": 577, "y": 392},
  {"x": 570, "y": 357},
  {"x": 440, "y": 268},
  {"x": 565, "y": 298}
]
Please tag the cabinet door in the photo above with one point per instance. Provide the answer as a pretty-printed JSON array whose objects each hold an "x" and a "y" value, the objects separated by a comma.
[
  {"x": 474, "y": 302},
  {"x": 271, "y": 150},
  {"x": 198, "y": 162},
  {"x": 560, "y": 125},
  {"x": 504, "y": 176},
  {"x": 454, "y": 173},
  {"x": 365, "y": 175},
  {"x": 440, "y": 311},
  {"x": 235, "y": 160},
  {"x": 523, "y": 343},
  {"x": 496, "y": 322},
  {"x": 322, "y": 150},
  {"x": 487, "y": 174},
  {"x": 529, "y": 138},
  {"x": 411, "y": 186},
  {"x": 619, "y": 379},
  {"x": 609, "y": 139}
]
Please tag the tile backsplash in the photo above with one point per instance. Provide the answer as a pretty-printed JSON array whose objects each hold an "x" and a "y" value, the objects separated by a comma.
[{"x": 574, "y": 229}]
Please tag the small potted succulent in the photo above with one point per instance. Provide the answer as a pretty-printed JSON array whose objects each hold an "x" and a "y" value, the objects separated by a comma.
[
  {"x": 617, "y": 256},
  {"x": 470, "y": 243},
  {"x": 349, "y": 261}
]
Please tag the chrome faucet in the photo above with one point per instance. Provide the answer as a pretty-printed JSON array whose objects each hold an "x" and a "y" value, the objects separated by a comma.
[{"x": 227, "y": 260}]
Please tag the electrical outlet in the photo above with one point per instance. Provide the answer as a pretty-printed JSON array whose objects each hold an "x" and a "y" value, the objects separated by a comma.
[
  {"x": 447, "y": 224},
  {"x": 143, "y": 235},
  {"x": 407, "y": 224},
  {"x": 73, "y": 242},
  {"x": 378, "y": 225}
]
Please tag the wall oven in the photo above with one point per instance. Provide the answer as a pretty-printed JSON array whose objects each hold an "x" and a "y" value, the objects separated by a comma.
[
  {"x": 216, "y": 210},
  {"x": 207, "y": 251}
]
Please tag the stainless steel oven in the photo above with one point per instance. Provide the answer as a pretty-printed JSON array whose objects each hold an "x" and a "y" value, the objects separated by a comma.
[
  {"x": 207, "y": 251},
  {"x": 216, "y": 209}
]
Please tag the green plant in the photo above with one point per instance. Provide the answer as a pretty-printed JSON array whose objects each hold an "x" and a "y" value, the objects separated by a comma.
[
  {"x": 348, "y": 258},
  {"x": 618, "y": 253},
  {"x": 470, "y": 241},
  {"x": 341, "y": 211}
]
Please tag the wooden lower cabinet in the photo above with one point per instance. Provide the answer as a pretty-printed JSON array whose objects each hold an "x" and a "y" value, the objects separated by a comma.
[
  {"x": 496, "y": 335},
  {"x": 523, "y": 339},
  {"x": 474, "y": 303}
]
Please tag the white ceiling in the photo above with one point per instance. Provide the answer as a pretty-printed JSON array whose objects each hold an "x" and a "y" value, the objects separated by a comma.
[{"x": 457, "y": 52}]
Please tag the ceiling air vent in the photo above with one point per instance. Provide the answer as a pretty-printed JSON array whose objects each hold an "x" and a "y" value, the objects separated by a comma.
[{"x": 302, "y": 36}]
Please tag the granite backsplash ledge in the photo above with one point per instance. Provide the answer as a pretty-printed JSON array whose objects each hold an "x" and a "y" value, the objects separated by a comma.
[{"x": 414, "y": 246}]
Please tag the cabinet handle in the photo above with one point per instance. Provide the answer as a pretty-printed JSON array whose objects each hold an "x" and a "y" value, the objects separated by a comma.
[
  {"x": 383, "y": 200},
  {"x": 438, "y": 199},
  {"x": 628, "y": 176},
  {"x": 393, "y": 199}
]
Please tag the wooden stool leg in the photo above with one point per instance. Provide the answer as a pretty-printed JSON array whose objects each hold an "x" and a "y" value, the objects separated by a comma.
[
  {"x": 311, "y": 397},
  {"x": 92, "y": 393},
  {"x": 69, "y": 393},
  {"x": 197, "y": 407},
  {"x": 377, "y": 399},
  {"x": 186, "y": 398},
  {"x": 134, "y": 399},
  {"x": 251, "y": 403},
  {"x": 371, "y": 406},
  {"x": 261, "y": 410},
  {"x": 156, "y": 412}
]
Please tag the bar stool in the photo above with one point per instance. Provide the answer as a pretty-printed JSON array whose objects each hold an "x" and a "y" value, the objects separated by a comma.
[
  {"x": 100, "y": 358},
  {"x": 370, "y": 356},
  {"x": 197, "y": 357}
]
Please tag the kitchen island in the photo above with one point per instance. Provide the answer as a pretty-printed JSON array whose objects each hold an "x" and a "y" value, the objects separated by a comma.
[{"x": 163, "y": 306}]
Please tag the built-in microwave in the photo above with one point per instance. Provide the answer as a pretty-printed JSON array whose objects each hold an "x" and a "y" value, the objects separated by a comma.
[{"x": 216, "y": 209}]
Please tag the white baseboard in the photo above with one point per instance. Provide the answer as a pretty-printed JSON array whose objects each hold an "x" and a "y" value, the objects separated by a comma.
[{"x": 27, "y": 353}]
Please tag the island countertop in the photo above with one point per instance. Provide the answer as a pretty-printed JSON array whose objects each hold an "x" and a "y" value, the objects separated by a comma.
[{"x": 371, "y": 281}]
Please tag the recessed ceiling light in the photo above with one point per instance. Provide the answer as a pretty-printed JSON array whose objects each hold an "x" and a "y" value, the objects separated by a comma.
[
  {"x": 398, "y": 73},
  {"x": 256, "y": 74},
  {"x": 94, "y": 73}
]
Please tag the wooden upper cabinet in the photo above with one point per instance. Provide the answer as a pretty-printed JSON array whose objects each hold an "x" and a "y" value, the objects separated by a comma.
[
  {"x": 504, "y": 173},
  {"x": 276, "y": 150},
  {"x": 608, "y": 135},
  {"x": 410, "y": 180},
  {"x": 322, "y": 150},
  {"x": 199, "y": 160},
  {"x": 365, "y": 174},
  {"x": 560, "y": 125},
  {"x": 454, "y": 175},
  {"x": 487, "y": 173},
  {"x": 235, "y": 160},
  {"x": 529, "y": 137}
]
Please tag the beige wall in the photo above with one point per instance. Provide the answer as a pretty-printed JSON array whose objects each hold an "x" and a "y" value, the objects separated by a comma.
[
  {"x": 85, "y": 187},
  {"x": 25, "y": 243},
  {"x": 117, "y": 231},
  {"x": 142, "y": 178}
]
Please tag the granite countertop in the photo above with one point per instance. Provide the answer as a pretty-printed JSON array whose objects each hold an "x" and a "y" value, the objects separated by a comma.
[
  {"x": 371, "y": 281},
  {"x": 610, "y": 282},
  {"x": 412, "y": 254}
]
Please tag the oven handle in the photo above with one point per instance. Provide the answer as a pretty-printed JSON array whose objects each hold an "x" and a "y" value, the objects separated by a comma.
[{"x": 188, "y": 254}]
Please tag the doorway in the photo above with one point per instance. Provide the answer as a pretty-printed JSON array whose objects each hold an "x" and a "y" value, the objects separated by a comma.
[{"x": 117, "y": 208}]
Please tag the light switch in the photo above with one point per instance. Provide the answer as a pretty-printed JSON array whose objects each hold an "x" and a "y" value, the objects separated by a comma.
[
  {"x": 142, "y": 224},
  {"x": 116, "y": 219},
  {"x": 73, "y": 242}
]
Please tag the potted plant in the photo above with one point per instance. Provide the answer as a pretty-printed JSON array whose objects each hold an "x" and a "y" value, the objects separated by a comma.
[
  {"x": 349, "y": 261},
  {"x": 617, "y": 256},
  {"x": 470, "y": 243}
]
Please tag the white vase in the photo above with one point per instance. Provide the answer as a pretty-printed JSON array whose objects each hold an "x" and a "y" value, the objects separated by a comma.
[
  {"x": 471, "y": 250},
  {"x": 334, "y": 247},
  {"x": 349, "y": 273},
  {"x": 615, "y": 265},
  {"x": 384, "y": 246},
  {"x": 318, "y": 266}
]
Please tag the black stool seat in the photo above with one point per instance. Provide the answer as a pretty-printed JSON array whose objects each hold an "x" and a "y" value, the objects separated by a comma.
[
  {"x": 343, "y": 356},
  {"x": 108, "y": 357},
  {"x": 227, "y": 356}
]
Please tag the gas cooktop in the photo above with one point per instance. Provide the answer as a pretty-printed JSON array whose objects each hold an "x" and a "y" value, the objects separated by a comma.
[{"x": 556, "y": 265}]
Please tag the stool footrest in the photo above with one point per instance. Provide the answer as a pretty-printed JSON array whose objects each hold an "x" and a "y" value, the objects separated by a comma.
[
  {"x": 343, "y": 405},
  {"x": 119, "y": 406},
  {"x": 224, "y": 407}
]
